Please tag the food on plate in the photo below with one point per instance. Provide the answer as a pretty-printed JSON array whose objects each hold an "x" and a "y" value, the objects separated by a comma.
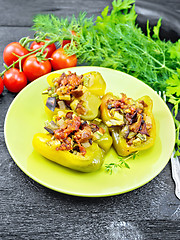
[
  {"x": 74, "y": 143},
  {"x": 95, "y": 83},
  {"x": 131, "y": 122},
  {"x": 77, "y": 138},
  {"x": 82, "y": 94}
]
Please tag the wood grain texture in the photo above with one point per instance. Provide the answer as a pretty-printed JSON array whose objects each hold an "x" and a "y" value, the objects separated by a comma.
[{"x": 31, "y": 211}]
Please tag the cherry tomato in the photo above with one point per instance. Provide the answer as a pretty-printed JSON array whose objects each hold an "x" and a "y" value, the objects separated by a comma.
[
  {"x": 60, "y": 59},
  {"x": 49, "y": 49},
  {"x": 14, "y": 80},
  {"x": 14, "y": 47},
  {"x": 34, "y": 69},
  {"x": 1, "y": 85},
  {"x": 64, "y": 42}
]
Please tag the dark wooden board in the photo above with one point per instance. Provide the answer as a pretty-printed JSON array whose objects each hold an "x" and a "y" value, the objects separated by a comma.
[{"x": 31, "y": 211}]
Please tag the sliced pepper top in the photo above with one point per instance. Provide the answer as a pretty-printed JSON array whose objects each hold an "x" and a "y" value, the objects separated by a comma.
[{"x": 70, "y": 133}]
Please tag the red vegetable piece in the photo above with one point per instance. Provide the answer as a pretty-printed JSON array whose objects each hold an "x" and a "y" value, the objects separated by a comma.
[
  {"x": 16, "y": 48},
  {"x": 60, "y": 60},
  {"x": 1, "y": 85},
  {"x": 66, "y": 41},
  {"x": 34, "y": 69},
  {"x": 49, "y": 49},
  {"x": 14, "y": 80}
]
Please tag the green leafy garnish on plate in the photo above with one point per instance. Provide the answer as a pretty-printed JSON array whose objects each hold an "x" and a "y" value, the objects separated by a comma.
[{"x": 122, "y": 162}]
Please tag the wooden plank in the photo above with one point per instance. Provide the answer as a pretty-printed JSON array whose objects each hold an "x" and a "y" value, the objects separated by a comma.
[
  {"x": 31, "y": 211},
  {"x": 23, "y": 11}
]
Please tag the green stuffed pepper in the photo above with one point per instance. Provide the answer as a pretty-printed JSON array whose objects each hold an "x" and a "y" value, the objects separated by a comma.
[
  {"x": 131, "y": 122},
  {"x": 82, "y": 94},
  {"x": 74, "y": 143}
]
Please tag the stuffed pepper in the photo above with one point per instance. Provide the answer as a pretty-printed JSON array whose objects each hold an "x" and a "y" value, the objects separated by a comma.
[
  {"x": 82, "y": 94},
  {"x": 131, "y": 122},
  {"x": 74, "y": 143}
]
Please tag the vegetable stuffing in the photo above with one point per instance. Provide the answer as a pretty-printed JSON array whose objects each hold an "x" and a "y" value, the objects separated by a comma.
[
  {"x": 131, "y": 122},
  {"x": 74, "y": 143}
]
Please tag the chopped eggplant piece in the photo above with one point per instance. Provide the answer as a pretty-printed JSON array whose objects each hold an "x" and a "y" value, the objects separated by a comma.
[
  {"x": 49, "y": 130},
  {"x": 51, "y": 103},
  {"x": 53, "y": 125}
]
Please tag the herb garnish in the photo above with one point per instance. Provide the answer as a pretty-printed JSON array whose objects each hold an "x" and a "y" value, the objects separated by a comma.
[{"x": 122, "y": 162}]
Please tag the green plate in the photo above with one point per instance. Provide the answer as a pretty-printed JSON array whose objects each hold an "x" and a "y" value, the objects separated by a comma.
[{"x": 26, "y": 116}]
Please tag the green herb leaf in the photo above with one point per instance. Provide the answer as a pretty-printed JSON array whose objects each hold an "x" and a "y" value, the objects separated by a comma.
[
  {"x": 148, "y": 29},
  {"x": 174, "y": 50},
  {"x": 173, "y": 85},
  {"x": 121, "y": 5},
  {"x": 122, "y": 161},
  {"x": 156, "y": 29}
]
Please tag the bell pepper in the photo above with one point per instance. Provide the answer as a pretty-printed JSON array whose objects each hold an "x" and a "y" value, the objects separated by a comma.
[
  {"x": 91, "y": 162},
  {"x": 130, "y": 122},
  {"x": 74, "y": 143},
  {"x": 95, "y": 83},
  {"x": 87, "y": 106},
  {"x": 84, "y": 97},
  {"x": 92, "y": 80}
]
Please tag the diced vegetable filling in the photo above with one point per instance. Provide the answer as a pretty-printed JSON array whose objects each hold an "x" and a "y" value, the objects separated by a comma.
[
  {"x": 131, "y": 117},
  {"x": 67, "y": 91},
  {"x": 67, "y": 84},
  {"x": 70, "y": 133}
]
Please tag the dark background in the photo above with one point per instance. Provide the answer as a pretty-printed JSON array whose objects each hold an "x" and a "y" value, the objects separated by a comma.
[{"x": 31, "y": 211}]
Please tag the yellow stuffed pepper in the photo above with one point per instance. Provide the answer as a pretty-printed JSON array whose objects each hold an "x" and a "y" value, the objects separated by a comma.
[
  {"x": 82, "y": 94},
  {"x": 131, "y": 122},
  {"x": 74, "y": 143}
]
